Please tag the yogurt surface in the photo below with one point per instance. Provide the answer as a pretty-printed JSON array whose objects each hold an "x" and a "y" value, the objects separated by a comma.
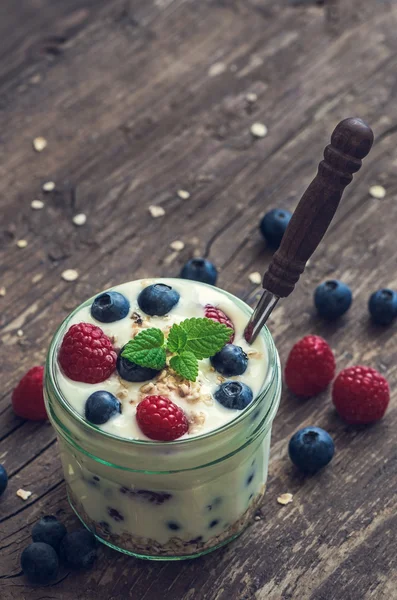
[{"x": 196, "y": 399}]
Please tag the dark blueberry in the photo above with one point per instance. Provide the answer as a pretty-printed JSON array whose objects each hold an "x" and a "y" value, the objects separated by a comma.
[
  {"x": 200, "y": 269},
  {"x": 251, "y": 496},
  {"x": 3, "y": 480},
  {"x": 104, "y": 525},
  {"x": 96, "y": 478},
  {"x": 215, "y": 503},
  {"x": 213, "y": 523},
  {"x": 332, "y": 299},
  {"x": 40, "y": 563},
  {"x": 78, "y": 549},
  {"x": 101, "y": 406},
  {"x": 158, "y": 299},
  {"x": 234, "y": 394},
  {"x": 49, "y": 531},
  {"x": 382, "y": 306},
  {"x": 112, "y": 512},
  {"x": 109, "y": 307},
  {"x": 231, "y": 360},
  {"x": 250, "y": 478},
  {"x": 311, "y": 448},
  {"x": 130, "y": 371},
  {"x": 173, "y": 525},
  {"x": 273, "y": 225}
]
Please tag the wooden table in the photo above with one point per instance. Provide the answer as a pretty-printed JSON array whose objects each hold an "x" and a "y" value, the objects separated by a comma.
[{"x": 138, "y": 99}]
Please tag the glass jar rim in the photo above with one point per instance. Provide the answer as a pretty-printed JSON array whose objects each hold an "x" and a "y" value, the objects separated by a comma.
[{"x": 272, "y": 372}]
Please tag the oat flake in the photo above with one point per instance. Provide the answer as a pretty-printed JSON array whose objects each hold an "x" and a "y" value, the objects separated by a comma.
[
  {"x": 258, "y": 130},
  {"x": 156, "y": 211},
  {"x": 80, "y": 219},
  {"x": 377, "y": 191},
  {"x": 177, "y": 245},
  {"x": 48, "y": 186},
  {"x": 22, "y": 243},
  {"x": 251, "y": 97},
  {"x": 24, "y": 494},
  {"x": 39, "y": 144},
  {"x": 183, "y": 194},
  {"x": 20, "y": 333},
  {"x": 37, "y": 204},
  {"x": 3, "y": 292},
  {"x": 216, "y": 69},
  {"x": 285, "y": 498},
  {"x": 70, "y": 275},
  {"x": 255, "y": 278},
  {"x": 36, "y": 278}
]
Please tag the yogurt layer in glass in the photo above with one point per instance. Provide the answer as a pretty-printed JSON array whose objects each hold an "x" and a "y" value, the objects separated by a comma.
[{"x": 166, "y": 500}]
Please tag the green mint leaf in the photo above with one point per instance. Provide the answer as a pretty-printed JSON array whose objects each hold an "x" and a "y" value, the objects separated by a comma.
[
  {"x": 146, "y": 349},
  {"x": 205, "y": 337},
  {"x": 177, "y": 338},
  {"x": 186, "y": 365}
]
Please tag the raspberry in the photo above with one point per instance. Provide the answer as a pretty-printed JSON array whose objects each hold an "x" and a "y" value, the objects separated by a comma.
[
  {"x": 216, "y": 314},
  {"x": 27, "y": 398},
  {"x": 310, "y": 366},
  {"x": 160, "y": 419},
  {"x": 360, "y": 395},
  {"x": 87, "y": 354}
]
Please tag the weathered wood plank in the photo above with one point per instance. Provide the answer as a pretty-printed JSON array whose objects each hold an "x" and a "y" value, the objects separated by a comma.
[{"x": 131, "y": 115}]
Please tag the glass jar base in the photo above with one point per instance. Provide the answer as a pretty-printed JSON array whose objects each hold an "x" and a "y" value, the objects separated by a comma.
[{"x": 169, "y": 553}]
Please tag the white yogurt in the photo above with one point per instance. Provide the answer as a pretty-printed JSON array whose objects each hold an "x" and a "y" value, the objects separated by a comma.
[{"x": 204, "y": 414}]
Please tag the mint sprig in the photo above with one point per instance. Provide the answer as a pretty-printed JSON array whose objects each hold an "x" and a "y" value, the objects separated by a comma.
[{"x": 189, "y": 341}]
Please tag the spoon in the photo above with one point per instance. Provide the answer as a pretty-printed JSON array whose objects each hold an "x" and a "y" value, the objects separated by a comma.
[{"x": 351, "y": 141}]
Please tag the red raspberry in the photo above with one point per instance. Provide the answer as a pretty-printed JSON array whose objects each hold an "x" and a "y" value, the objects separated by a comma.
[
  {"x": 216, "y": 314},
  {"x": 360, "y": 395},
  {"x": 160, "y": 419},
  {"x": 87, "y": 354},
  {"x": 27, "y": 398},
  {"x": 310, "y": 366}
]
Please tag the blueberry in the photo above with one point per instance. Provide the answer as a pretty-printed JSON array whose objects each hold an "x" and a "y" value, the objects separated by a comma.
[
  {"x": 250, "y": 478},
  {"x": 231, "y": 360},
  {"x": 200, "y": 269},
  {"x": 273, "y": 225},
  {"x": 216, "y": 502},
  {"x": 383, "y": 306},
  {"x": 101, "y": 406},
  {"x": 49, "y": 531},
  {"x": 310, "y": 449},
  {"x": 40, "y": 563},
  {"x": 115, "y": 514},
  {"x": 213, "y": 523},
  {"x": 157, "y": 299},
  {"x": 173, "y": 525},
  {"x": 78, "y": 549},
  {"x": 3, "y": 480},
  {"x": 332, "y": 299},
  {"x": 234, "y": 394},
  {"x": 109, "y": 307},
  {"x": 130, "y": 371},
  {"x": 104, "y": 525}
]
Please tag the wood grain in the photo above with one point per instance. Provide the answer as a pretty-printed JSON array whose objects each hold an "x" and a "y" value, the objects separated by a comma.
[{"x": 125, "y": 95}]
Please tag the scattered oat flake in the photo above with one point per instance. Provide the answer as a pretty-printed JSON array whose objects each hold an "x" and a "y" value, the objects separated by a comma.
[
  {"x": 257, "y": 518},
  {"x": 184, "y": 194},
  {"x": 24, "y": 494},
  {"x": 377, "y": 191},
  {"x": 156, "y": 211},
  {"x": 20, "y": 333},
  {"x": 39, "y": 144},
  {"x": 216, "y": 69},
  {"x": 22, "y": 243},
  {"x": 285, "y": 499},
  {"x": 35, "y": 79},
  {"x": 177, "y": 245},
  {"x": 80, "y": 219},
  {"x": 48, "y": 186},
  {"x": 70, "y": 275},
  {"x": 3, "y": 292},
  {"x": 255, "y": 278},
  {"x": 36, "y": 278},
  {"x": 37, "y": 204},
  {"x": 258, "y": 130},
  {"x": 251, "y": 97}
]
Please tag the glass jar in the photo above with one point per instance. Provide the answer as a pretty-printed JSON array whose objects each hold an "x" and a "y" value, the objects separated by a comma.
[{"x": 173, "y": 500}]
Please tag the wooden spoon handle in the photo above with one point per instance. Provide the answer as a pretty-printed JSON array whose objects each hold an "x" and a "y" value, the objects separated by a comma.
[{"x": 350, "y": 142}]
